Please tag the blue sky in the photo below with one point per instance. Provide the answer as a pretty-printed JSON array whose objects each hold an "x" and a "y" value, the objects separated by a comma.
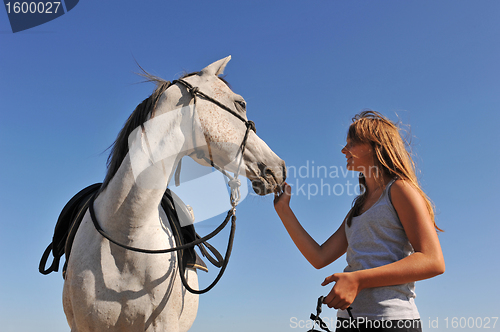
[{"x": 305, "y": 69}]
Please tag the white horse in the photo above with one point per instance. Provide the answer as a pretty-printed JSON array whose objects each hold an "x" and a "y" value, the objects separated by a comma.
[{"x": 109, "y": 288}]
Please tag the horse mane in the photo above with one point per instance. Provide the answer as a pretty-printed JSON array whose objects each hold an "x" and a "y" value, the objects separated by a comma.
[{"x": 144, "y": 111}]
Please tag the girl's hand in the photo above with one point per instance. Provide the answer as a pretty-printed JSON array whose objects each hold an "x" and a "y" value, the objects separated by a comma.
[
  {"x": 344, "y": 291},
  {"x": 282, "y": 197}
]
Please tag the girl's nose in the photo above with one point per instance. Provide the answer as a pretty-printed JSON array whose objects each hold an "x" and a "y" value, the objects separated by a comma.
[{"x": 344, "y": 150}]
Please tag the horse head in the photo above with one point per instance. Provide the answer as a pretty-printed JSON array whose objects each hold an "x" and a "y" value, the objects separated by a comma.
[{"x": 226, "y": 131}]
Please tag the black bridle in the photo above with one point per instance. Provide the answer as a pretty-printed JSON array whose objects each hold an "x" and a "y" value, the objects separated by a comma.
[
  {"x": 195, "y": 92},
  {"x": 233, "y": 183}
]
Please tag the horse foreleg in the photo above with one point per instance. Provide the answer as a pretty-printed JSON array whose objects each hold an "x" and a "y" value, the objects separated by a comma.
[
  {"x": 190, "y": 302},
  {"x": 68, "y": 308}
]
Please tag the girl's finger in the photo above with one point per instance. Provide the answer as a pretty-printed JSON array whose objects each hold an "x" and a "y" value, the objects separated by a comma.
[{"x": 329, "y": 279}]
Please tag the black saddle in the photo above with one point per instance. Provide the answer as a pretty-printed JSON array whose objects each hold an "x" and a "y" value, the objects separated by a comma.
[{"x": 72, "y": 214}]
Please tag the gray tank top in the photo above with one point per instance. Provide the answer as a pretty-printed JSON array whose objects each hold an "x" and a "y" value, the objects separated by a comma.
[{"x": 377, "y": 238}]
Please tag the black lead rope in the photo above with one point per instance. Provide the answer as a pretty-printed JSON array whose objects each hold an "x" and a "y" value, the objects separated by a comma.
[
  {"x": 352, "y": 318},
  {"x": 317, "y": 320}
]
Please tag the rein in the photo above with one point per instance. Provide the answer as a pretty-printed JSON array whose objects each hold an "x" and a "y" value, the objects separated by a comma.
[{"x": 234, "y": 183}]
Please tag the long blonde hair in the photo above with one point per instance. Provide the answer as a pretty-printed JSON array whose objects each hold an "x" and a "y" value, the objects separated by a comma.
[{"x": 391, "y": 156}]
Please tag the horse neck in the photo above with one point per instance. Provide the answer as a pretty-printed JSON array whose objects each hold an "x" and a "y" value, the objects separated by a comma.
[{"x": 132, "y": 197}]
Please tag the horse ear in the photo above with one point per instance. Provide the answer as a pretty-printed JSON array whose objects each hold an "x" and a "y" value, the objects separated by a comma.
[{"x": 216, "y": 68}]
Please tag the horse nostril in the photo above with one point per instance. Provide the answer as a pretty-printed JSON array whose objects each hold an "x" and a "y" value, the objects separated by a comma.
[
  {"x": 265, "y": 170},
  {"x": 262, "y": 168},
  {"x": 276, "y": 174}
]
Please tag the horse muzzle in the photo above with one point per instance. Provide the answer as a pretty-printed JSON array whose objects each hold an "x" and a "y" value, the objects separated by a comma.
[{"x": 267, "y": 179}]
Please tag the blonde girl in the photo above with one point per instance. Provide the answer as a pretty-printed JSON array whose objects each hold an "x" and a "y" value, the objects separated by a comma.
[{"x": 389, "y": 234}]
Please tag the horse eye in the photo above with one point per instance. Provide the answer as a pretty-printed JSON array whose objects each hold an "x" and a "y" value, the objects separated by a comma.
[{"x": 241, "y": 103}]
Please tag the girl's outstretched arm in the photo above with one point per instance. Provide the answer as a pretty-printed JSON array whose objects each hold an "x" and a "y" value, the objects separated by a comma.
[
  {"x": 426, "y": 262},
  {"x": 318, "y": 255}
]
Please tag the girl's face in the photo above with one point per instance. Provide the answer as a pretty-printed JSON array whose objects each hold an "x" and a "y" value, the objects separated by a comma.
[{"x": 359, "y": 156}]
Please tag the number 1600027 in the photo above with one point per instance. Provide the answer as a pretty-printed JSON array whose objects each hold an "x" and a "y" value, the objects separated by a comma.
[{"x": 40, "y": 7}]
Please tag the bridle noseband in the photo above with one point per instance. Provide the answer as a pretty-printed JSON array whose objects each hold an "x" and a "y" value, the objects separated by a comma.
[{"x": 234, "y": 183}]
